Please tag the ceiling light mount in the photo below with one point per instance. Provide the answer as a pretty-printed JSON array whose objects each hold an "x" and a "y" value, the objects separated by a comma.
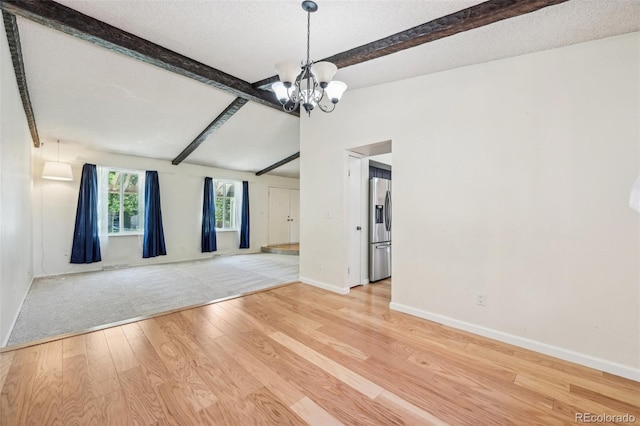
[
  {"x": 309, "y": 6},
  {"x": 309, "y": 84}
]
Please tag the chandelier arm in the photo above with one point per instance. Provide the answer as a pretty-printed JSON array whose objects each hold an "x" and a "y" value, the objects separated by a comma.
[
  {"x": 321, "y": 96},
  {"x": 292, "y": 106},
  {"x": 325, "y": 109},
  {"x": 297, "y": 95}
]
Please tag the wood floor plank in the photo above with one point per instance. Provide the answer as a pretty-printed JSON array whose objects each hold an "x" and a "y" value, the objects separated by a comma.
[
  {"x": 218, "y": 414},
  {"x": 45, "y": 406},
  {"x": 154, "y": 333},
  {"x": 353, "y": 407},
  {"x": 314, "y": 414},
  {"x": 271, "y": 307},
  {"x": 285, "y": 390},
  {"x": 113, "y": 410},
  {"x": 72, "y": 346},
  {"x": 621, "y": 406},
  {"x": 311, "y": 329},
  {"x": 25, "y": 355},
  {"x": 199, "y": 322},
  {"x": 133, "y": 331},
  {"x": 557, "y": 364},
  {"x": 270, "y": 410},
  {"x": 562, "y": 393},
  {"x": 49, "y": 358},
  {"x": 78, "y": 396},
  {"x": 144, "y": 407},
  {"x": 499, "y": 407},
  {"x": 17, "y": 389},
  {"x": 244, "y": 381},
  {"x": 6, "y": 358},
  {"x": 102, "y": 371},
  {"x": 356, "y": 381},
  {"x": 154, "y": 369},
  {"x": 219, "y": 317},
  {"x": 175, "y": 399},
  {"x": 421, "y": 416},
  {"x": 121, "y": 353},
  {"x": 597, "y": 383}
]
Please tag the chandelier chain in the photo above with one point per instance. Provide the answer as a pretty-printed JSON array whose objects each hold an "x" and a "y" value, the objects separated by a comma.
[{"x": 308, "y": 37}]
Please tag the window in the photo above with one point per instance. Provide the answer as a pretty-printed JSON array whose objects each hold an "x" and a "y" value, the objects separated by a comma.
[
  {"x": 125, "y": 203},
  {"x": 226, "y": 204}
]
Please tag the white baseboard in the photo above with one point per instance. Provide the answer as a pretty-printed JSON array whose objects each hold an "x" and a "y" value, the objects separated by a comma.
[
  {"x": 15, "y": 318},
  {"x": 589, "y": 361},
  {"x": 325, "y": 286}
]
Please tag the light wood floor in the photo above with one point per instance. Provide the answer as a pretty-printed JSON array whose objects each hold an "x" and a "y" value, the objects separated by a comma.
[{"x": 296, "y": 355}]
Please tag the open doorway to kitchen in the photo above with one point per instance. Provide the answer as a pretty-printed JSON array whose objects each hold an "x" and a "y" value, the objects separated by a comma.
[{"x": 368, "y": 224}]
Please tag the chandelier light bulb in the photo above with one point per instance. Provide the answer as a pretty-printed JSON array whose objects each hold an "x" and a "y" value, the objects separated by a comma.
[
  {"x": 324, "y": 72},
  {"x": 281, "y": 91},
  {"x": 287, "y": 71},
  {"x": 334, "y": 91}
]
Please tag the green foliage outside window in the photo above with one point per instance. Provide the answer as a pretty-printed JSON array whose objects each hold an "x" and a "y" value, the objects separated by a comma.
[
  {"x": 225, "y": 203},
  {"x": 123, "y": 202}
]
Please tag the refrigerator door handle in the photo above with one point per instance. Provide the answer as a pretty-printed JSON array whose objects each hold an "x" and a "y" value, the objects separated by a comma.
[{"x": 387, "y": 209}]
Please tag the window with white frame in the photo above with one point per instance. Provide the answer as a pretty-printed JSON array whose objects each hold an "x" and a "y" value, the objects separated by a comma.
[
  {"x": 227, "y": 204},
  {"x": 125, "y": 202}
]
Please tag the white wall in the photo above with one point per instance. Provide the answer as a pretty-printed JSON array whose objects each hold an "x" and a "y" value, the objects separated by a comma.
[
  {"x": 181, "y": 187},
  {"x": 511, "y": 179},
  {"x": 15, "y": 187}
]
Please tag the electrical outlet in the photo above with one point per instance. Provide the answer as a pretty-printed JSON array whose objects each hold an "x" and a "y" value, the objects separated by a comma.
[{"x": 481, "y": 299}]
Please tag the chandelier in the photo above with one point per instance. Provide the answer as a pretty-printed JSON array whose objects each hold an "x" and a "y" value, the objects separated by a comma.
[{"x": 311, "y": 86}]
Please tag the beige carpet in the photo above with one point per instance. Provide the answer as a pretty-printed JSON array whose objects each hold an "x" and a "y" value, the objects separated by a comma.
[{"x": 72, "y": 303}]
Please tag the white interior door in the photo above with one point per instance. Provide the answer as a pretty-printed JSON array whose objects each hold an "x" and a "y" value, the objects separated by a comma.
[
  {"x": 355, "y": 225},
  {"x": 294, "y": 214},
  {"x": 279, "y": 207}
]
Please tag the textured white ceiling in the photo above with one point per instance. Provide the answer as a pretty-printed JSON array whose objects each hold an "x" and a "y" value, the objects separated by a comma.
[
  {"x": 88, "y": 95},
  {"x": 246, "y": 38},
  {"x": 257, "y": 136}
]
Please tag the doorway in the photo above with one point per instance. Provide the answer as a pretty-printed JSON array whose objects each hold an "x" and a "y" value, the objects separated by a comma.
[
  {"x": 284, "y": 209},
  {"x": 357, "y": 202},
  {"x": 355, "y": 225}
]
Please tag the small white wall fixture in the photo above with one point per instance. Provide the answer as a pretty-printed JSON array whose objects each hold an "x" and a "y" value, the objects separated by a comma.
[{"x": 634, "y": 198}]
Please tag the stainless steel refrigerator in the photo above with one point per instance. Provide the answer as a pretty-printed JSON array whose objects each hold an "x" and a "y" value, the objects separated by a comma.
[{"x": 379, "y": 229}]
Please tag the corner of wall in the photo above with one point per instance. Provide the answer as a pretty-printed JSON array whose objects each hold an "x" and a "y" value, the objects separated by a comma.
[{"x": 325, "y": 286}]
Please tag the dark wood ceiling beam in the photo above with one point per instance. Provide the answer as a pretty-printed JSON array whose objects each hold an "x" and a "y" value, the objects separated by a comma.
[
  {"x": 278, "y": 164},
  {"x": 15, "y": 48},
  {"x": 72, "y": 22},
  {"x": 464, "y": 20},
  {"x": 212, "y": 127}
]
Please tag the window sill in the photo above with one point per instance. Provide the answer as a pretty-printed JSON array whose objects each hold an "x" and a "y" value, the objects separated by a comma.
[
  {"x": 227, "y": 230},
  {"x": 126, "y": 234}
]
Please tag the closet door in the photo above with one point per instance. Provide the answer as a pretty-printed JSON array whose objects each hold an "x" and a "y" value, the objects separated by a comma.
[
  {"x": 284, "y": 209},
  {"x": 294, "y": 214},
  {"x": 279, "y": 223}
]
